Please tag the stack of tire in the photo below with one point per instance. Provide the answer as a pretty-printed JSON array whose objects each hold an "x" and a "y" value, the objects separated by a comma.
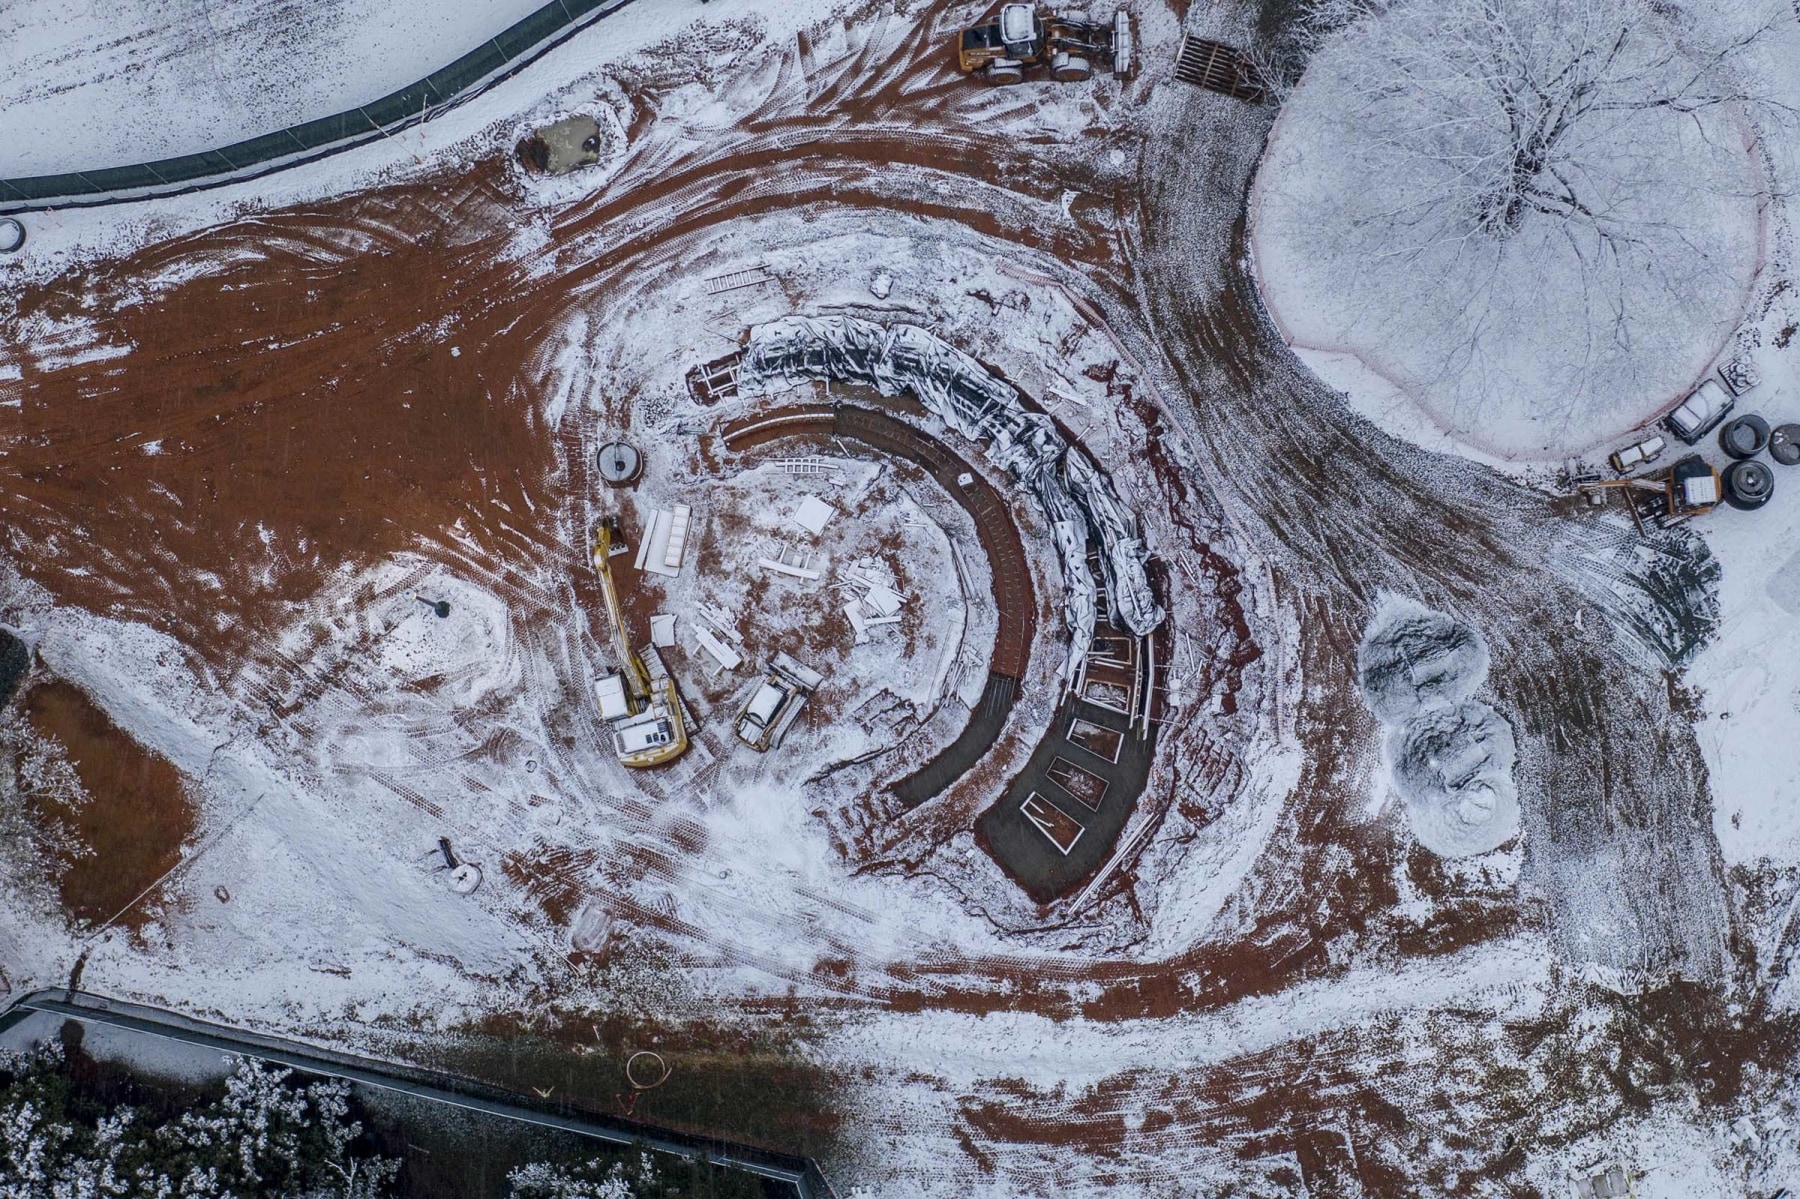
[{"x": 1749, "y": 483}]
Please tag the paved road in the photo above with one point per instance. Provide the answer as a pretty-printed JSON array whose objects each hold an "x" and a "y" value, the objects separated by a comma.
[{"x": 800, "y": 1173}]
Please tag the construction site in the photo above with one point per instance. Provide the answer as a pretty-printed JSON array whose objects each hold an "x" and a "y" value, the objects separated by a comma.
[{"x": 791, "y": 586}]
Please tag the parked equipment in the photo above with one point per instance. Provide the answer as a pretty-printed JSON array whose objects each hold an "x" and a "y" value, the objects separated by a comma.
[
  {"x": 1021, "y": 39},
  {"x": 1639, "y": 453},
  {"x": 771, "y": 709},
  {"x": 638, "y": 700},
  {"x": 1691, "y": 487},
  {"x": 1701, "y": 412}
]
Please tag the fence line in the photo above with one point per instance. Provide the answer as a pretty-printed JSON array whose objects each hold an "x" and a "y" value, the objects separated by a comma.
[{"x": 500, "y": 57}]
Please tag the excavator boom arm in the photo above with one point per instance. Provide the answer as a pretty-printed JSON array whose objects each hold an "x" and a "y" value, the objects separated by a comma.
[{"x": 636, "y": 678}]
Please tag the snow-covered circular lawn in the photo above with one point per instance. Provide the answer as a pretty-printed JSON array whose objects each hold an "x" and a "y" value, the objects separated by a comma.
[{"x": 1541, "y": 229}]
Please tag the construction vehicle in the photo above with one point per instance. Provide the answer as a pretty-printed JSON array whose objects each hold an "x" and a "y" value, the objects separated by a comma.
[
  {"x": 1689, "y": 488},
  {"x": 1020, "y": 38},
  {"x": 770, "y": 711},
  {"x": 1700, "y": 413},
  {"x": 1639, "y": 453},
  {"x": 638, "y": 700}
]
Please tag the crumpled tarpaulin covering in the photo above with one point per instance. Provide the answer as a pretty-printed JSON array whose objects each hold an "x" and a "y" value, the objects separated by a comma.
[{"x": 1077, "y": 498}]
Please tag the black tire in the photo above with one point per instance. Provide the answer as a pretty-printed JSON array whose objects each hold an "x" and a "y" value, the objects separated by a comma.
[
  {"x": 1005, "y": 76},
  {"x": 12, "y": 235},
  {"x": 1072, "y": 69},
  {"x": 1745, "y": 437},
  {"x": 1748, "y": 484}
]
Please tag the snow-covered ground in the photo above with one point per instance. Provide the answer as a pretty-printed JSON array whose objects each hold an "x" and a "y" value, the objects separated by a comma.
[
  {"x": 1750, "y": 673},
  {"x": 572, "y": 77},
  {"x": 328, "y": 762},
  {"x": 1540, "y": 344},
  {"x": 86, "y": 85}
]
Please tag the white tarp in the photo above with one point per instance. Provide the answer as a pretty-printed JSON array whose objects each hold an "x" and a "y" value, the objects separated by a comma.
[{"x": 1078, "y": 500}]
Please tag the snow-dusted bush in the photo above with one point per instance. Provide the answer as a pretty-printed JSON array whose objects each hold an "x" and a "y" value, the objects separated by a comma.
[
  {"x": 269, "y": 1136},
  {"x": 1539, "y": 217},
  {"x": 631, "y": 1176},
  {"x": 541, "y": 1181}
]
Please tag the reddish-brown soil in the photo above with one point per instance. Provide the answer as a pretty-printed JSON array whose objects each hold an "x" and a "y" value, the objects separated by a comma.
[
  {"x": 129, "y": 828},
  {"x": 341, "y": 382},
  {"x": 338, "y": 383}
]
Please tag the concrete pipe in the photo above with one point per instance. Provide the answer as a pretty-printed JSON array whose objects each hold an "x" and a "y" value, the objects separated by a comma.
[{"x": 1784, "y": 445}]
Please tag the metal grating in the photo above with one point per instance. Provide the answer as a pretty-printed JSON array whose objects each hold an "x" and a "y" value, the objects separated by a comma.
[{"x": 1219, "y": 68}]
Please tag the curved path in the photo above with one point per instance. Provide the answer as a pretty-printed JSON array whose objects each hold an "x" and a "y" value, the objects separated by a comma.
[
  {"x": 500, "y": 57},
  {"x": 1617, "y": 814},
  {"x": 1014, "y": 601},
  {"x": 1057, "y": 820}
]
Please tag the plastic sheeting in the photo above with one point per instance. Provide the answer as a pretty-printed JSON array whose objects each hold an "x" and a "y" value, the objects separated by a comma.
[{"x": 1077, "y": 498}]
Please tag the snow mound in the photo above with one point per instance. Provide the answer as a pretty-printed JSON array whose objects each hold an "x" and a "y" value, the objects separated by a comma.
[
  {"x": 1413, "y": 659},
  {"x": 1529, "y": 322},
  {"x": 1454, "y": 770},
  {"x": 1452, "y": 758}
]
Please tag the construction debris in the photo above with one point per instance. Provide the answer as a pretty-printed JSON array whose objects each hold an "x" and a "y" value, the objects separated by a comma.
[
  {"x": 723, "y": 654},
  {"x": 800, "y": 568},
  {"x": 772, "y": 708},
  {"x": 813, "y": 514},
  {"x": 879, "y": 602},
  {"x": 664, "y": 542},
  {"x": 754, "y": 276},
  {"x": 1077, "y": 499},
  {"x": 1219, "y": 68}
]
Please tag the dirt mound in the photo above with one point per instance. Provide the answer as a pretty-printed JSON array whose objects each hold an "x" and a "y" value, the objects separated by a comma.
[{"x": 119, "y": 823}]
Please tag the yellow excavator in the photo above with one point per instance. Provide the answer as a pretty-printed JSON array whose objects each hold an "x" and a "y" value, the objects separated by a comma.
[{"x": 638, "y": 700}]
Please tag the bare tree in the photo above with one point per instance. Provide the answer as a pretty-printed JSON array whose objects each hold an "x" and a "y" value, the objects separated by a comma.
[
  {"x": 1544, "y": 205},
  {"x": 1525, "y": 109}
]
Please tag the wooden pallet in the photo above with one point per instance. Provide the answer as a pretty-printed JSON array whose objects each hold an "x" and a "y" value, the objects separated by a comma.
[
  {"x": 1219, "y": 68},
  {"x": 715, "y": 381}
]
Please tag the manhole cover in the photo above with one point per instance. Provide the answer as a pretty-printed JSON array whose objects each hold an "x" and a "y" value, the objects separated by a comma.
[{"x": 617, "y": 462}]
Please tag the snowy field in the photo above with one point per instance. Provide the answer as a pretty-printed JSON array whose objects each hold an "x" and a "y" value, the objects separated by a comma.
[
  {"x": 99, "y": 85},
  {"x": 246, "y": 431}
]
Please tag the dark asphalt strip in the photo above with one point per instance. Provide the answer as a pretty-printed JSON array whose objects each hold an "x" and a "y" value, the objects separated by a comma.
[{"x": 799, "y": 1172}]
